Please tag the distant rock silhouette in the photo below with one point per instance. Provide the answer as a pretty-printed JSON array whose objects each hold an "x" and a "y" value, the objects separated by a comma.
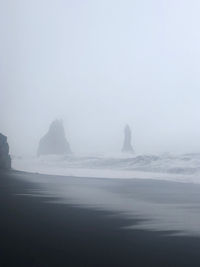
[
  {"x": 5, "y": 160},
  {"x": 127, "y": 147},
  {"x": 54, "y": 142}
]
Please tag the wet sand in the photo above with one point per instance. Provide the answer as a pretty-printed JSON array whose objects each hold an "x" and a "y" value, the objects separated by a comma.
[{"x": 37, "y": 231}]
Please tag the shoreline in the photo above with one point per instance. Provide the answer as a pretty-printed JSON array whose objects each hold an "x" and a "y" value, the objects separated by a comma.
[
  {"x": 37, "y": 232},
  {"x": 50, "y": 167}
]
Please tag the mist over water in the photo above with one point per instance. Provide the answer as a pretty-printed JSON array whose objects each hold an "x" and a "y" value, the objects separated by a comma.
[
  {"x": 99, "y": 65},
  {"x": 99, "y": 133}
]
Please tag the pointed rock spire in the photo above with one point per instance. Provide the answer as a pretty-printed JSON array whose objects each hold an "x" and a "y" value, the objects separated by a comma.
[
  {"x": 54, "y": 142},
  {"x": 127, "y": 147}
]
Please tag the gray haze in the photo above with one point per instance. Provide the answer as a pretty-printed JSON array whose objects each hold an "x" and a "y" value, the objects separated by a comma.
[{"x": 99, "y": 65}]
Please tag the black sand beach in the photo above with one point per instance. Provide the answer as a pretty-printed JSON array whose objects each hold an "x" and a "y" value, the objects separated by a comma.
[{"x": 38, "y": 232}]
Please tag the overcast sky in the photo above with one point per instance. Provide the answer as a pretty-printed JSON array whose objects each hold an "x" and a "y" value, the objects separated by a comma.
[{"x": 99, "y": 64}]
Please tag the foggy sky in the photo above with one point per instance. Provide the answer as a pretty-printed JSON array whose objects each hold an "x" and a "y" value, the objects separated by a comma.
[{"x": 99, "y": 65}]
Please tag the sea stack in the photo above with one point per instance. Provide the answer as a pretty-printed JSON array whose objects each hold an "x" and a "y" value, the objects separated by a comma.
[
  {"x": 54, "y": 141},
  {"x": 127, "y": 147},
  {"x": 5, "y": 160}
]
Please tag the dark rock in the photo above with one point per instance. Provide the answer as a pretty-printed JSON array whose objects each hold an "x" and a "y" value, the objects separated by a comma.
[
  {"x": 5, "y": 160},
  {"x": 54, "y": 142},
  {"x": 127, "y": 147}
]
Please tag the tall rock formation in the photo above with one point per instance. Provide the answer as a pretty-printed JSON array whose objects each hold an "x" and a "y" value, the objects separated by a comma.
[
  {"x": 54, "y": 142},
  {"x": 5, "y": 160},
  {"x": 127, "y": 147}
]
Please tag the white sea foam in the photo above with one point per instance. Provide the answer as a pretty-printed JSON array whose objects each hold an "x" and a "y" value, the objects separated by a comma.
[{"x": 182, "y": 168}]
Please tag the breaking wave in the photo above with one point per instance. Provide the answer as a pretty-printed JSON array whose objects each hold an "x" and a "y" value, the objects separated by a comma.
[{"x": 184, "y": 168}]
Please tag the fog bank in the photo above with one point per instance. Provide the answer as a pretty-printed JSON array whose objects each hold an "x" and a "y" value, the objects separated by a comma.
[{"x": 99, "y": 65}]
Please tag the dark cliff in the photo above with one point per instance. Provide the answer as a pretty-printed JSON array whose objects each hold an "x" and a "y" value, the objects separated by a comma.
[{"x": 5, "y": 160}]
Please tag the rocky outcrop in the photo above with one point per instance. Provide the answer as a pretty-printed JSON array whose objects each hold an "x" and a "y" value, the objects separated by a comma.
[
  {"x": 5, "y": 160},
  {"x": 54, "y": 142},
  {"x": 127, "y": 147}
]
